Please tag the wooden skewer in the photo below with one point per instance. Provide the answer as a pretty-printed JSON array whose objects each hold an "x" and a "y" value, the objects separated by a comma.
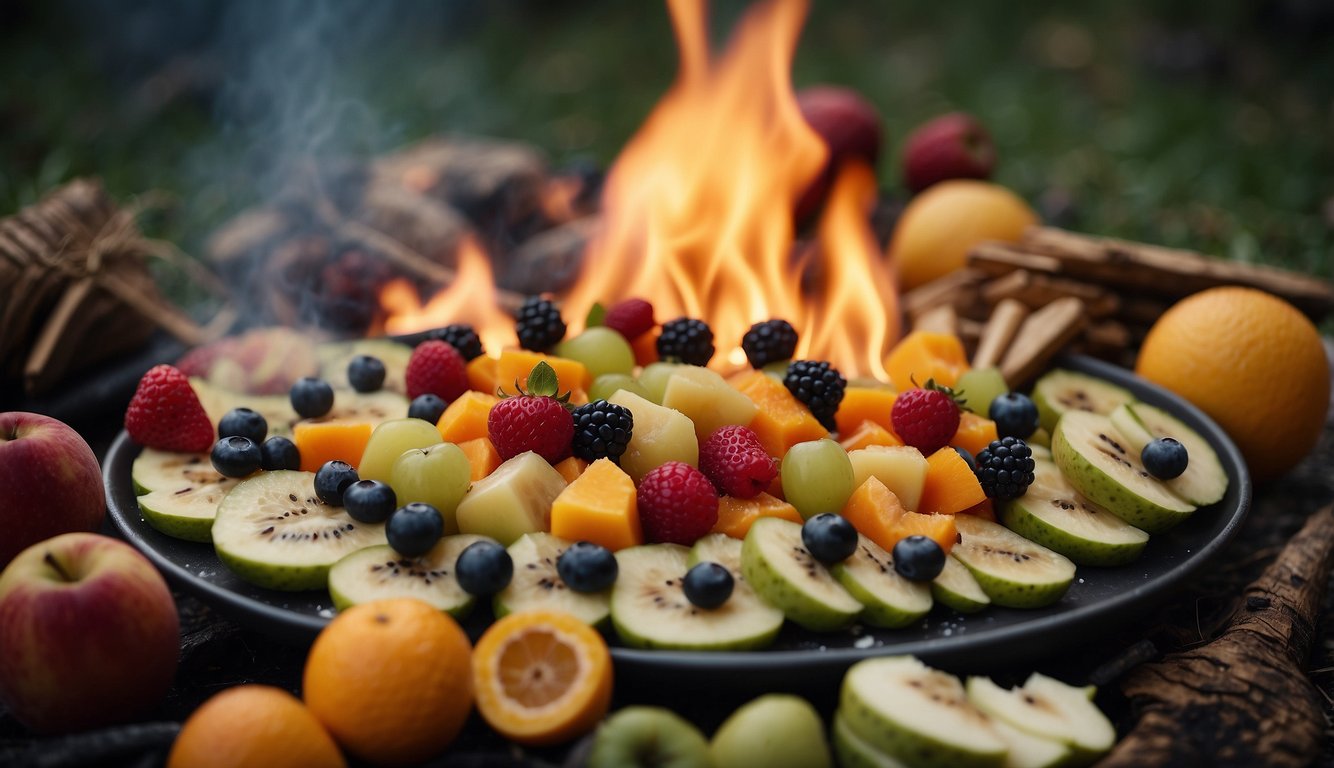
[
  {"x": 999, "y": 332},
  {"x": 1040, "y": 337},
  {"x": 941, "y": 319}
]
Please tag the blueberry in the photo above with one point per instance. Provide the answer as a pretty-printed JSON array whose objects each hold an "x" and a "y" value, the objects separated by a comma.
[
  {"x": 280, "y": 453},
  {"x": 587, "y": 567},
  {"x": 967, "y": 457},
  {"x": 918, "y": 558},
  {"x": 1015, "y": 415},
  {"x": 332, "y": 480},
  {"x": 414, "y": 528},
  {"x": 484, "y": 568},
  {"x": 427, "y": 407},
  {"x": 243, "y": 422},
  {"x": 1165, "y": 458},
  {"x": 708, "y": 585},
  {"x": 830, "y": 538},
  {"x": 365, "y": 373},
  {"x": 370, "y": 501},
  {"x": 236, "y": 456},
  {"x": 311, "y": 397}
]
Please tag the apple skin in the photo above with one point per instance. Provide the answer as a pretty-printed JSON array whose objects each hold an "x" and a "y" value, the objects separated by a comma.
[
  {"x": 850, "y": 127},
  {"x": 50, "y": 482},
  {"x": 776, "y": 731},
  {"x": 952, "y": 146},
  {"x": 89, "y": 634}
]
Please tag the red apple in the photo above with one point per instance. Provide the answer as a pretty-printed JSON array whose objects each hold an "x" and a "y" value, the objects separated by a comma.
[
  {"x": 50, "y": 482},
  {"x": 952, "y": 146},
  {"x": 850, "y": 127},
  {"x": 89, "y": 634}
]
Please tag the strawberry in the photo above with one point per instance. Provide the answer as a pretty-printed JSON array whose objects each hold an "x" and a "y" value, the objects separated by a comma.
[
  {"x": 677, "y": 504},
  {"x": 533, "y": 420},
  {"x": 733, "y": 459},
  {"x": 953, "y": 146},
  {"x": 436, "y": 368},
  {"x": 165, "y": 413},
  {"x": 926, "y": 418},
  {"x": 631, "y": 318}
]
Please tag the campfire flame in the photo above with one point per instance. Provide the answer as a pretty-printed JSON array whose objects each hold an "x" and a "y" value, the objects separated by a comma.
[
  {"x": 471, "y": 299},
  {"x": 698, "y": 212}
]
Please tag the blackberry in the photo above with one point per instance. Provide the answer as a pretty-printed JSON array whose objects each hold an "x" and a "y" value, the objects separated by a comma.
[
  {"x": 538, "y": 325},
  {"x": 771, "y": 341},
  {"x": 686, "y": 339},
  {"x": 819, "y": 385},
  {"x": 1005, "y": 468},
  {"x": 601, "y": 429},
  {"x": 462, "y": 337}
]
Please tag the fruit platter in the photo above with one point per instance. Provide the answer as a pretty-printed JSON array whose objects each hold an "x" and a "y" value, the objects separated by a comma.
[{"x": 1011, "y": 570}]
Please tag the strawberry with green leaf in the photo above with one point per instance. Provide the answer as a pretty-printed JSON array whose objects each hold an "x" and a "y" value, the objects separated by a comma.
[{"x": 534, "y": 420}]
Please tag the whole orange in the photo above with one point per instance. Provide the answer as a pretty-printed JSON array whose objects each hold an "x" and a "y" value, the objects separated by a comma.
[
  {"x": 391, "y": 680},
  {"x": 1253, "y": 363},
  {"x": 940, "y": 225},
  {"x": 254, "y": 725}
]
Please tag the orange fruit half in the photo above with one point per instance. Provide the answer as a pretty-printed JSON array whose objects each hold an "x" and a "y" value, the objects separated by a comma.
[{"x": 542, "y": 677}]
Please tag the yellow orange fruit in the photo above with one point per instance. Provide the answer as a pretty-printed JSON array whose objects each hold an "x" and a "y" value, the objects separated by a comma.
[
  {"x": 940, "y": 225},
  {"x": 542, "y": 677},
  {"x": 254, "y": 725},
  {"x": 1253, "y": 363},
  {"x": 391, "y": 680}
]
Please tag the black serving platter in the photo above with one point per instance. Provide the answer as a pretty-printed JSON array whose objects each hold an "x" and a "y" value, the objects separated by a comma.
[{"x": 1099, "y": 598}]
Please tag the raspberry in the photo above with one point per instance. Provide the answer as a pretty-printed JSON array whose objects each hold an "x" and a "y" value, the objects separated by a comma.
[
  {"x": 687, "y": 340},
  {"x": 1005, "y": 468},
  {"x": 533, "y": 420},
  {"x": 601, "y": 430},
  {"x": 820, "y": 386},
  {"x": 677, "y": 504},
  {"x": 733, "y": 459},
  {"x": 460, "y": 336},
  {"x": 926, "y": 418},
  {"x": 631, "y": 318},
  {"x": 539, "y": 325},
  {"x": 438, "y": 368},
  {"x": 165, "y": 413},
  {"x": 771, "y": 341}
]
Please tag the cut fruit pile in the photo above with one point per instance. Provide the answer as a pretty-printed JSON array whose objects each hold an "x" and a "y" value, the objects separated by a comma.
[{"x": 709, "y": 508}]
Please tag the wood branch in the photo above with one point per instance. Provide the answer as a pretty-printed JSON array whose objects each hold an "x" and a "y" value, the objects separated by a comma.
[
  {"x": 941, "y": 319},
  {"x": 999, "y": 332},
  {"x": 1040, "y": 338},
  {"x": 943, "y": 290},
  {"x": 1036, "y": 290},
  {"x": 1244, "y": 698}
]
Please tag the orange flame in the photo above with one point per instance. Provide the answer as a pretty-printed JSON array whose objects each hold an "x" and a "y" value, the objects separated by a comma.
[{"x": 471, "y": 299}]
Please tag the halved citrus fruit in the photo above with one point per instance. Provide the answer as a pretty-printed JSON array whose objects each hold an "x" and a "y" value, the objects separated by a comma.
[{"x": 542, "y": 677}]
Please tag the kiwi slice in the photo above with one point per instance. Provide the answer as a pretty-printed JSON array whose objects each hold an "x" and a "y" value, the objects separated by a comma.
[
  {"x": 155, "y": 470},
  {"x": 777, "y": 565},
  {"x": 274, "y": 532},
  {"x": 900, "y": 707},
  {"x": 1061, "y": 390},
  {"x": 1053, "y": 514},
  {"x": 376, "y": 573},
  {"x": 276, "y": 409},
  {"x": 650, "y": 610},
  {"x": 335, "y": 355},
  {"x": 1099, "y": 463},
  {"x": 717, "y": 548},
  {"x": 1205, "y": 481},
  {"x": 889, "y": 599},
  {"x": 537, "y": 586},
  {"x": 1013, "y": 571},
  {"x": 179, "y": 492},
  {"x": 956, "y": 588},
  {"x": 852, "y": 751},
  {"x": 1029, "y": 751},
  {"x": 1049, "y": 709}
]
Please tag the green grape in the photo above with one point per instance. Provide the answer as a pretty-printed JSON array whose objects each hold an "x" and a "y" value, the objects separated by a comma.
[
  {"x": 654, "y": 380},
  {"x": 389, "y": 440},
  {"x": 979, "y": 387},
  {"x": 608, "y": 384},
  {"x": 601, "y": 350},
  {"x": 778, "y": 369},
  {"x": 817, "y": 477},
  {"x": 439, "y": 475}
]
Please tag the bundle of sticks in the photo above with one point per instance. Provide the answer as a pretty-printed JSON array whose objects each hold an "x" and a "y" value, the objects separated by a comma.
[{"x": 1016, "y": 305}]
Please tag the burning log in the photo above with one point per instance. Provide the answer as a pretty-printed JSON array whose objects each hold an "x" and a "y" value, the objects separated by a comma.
[{"x": 1242, "y": 699}]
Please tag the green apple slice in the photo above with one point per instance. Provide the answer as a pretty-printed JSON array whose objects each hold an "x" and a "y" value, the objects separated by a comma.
[
  {"x": 1053, "y": 514},
  {"x": 378, "y": 573},
  {"x": 1098, "y": 462},
  {"x": 187, "y": 513},
  {"x": 538, "y": 586},
  {"x": 155, "y": 470},
  {"x": 1013, "y": 571},
  {"x": 1050, "y": 709},
  {"x": 1029, "y": 751},
  {"x": 1061, "y": 390},
  {"x": 649, "y": 608},
  {"x": 956, "y": 588},
  {"x": 274, "y": 532},
  {"x": 334, "y": 357},
  {"x": 776, "y": 564},
  {"x": 916, "y": 714},
  {"x": 853, "y": 751},
  {"x": 1205, "y": 481},
  {"x": 889, "y": 600},
  {"x": 717, "y": 548}
]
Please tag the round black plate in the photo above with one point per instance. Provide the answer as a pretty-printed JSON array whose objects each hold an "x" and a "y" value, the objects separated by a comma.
[{"x": 995, "y": 637}]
